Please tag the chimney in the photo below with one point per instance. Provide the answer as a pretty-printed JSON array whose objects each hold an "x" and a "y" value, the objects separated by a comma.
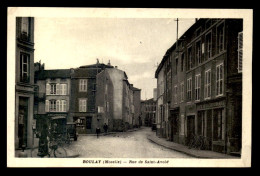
[
  {"x": 109, "y": 63},
  {"x": 97, "y": 61}
]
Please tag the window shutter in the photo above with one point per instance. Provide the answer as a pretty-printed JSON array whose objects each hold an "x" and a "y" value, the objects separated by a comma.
[
  {"x": 48, "y": 89},
  {"x": 65, "y": 89},
  {"x": 240, "y": 51},
  {"x": 64, "y": 106},
  {"x": 58, "y": 89},
  {"x": 47, "y": 106},
  {"x": 58, "y": 106}
]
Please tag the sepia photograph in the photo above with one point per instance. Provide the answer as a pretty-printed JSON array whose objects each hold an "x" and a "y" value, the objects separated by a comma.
[{"x": 118, "y": 87}]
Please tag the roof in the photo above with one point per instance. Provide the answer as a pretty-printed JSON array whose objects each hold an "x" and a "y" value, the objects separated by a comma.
[
  {"x": 148, "y": 101},
  {"x": 96, "y": 66},
  {"x": 85, "y": 72},
  {"x": 58, "y": 73}
]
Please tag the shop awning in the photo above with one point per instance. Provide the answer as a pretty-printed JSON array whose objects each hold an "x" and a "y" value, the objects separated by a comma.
[{"x": 58, "y": 117}]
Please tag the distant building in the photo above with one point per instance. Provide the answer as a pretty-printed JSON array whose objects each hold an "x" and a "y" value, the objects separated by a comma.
[
  {"x": 117, "y": 100},
  {"x": 24, "y": 82},
  {"x": 148, "y": 111}
]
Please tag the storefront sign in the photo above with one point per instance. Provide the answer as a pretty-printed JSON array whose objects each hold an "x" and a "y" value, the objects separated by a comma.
[{"x": 211, "y": 105}]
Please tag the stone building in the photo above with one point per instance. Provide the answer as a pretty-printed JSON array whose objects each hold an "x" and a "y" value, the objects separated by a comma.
[
  {"x": 117, "y": 100},
  {"x": 24, "y": 82},
  {"x": 53, "y": 96},
  {"x": 207, "y": 84},
  {"x": 148, "y": 111},
  {"x": 83, "y": 97}
]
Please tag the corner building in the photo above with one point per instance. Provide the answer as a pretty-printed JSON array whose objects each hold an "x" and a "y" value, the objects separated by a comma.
[
  {"x": 24, "y": 82},
  {"x": 207, "y": 84}
]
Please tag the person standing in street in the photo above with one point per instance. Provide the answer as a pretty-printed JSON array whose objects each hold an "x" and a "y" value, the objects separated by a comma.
[
  {"x": 97, "y": 131},
  {"x": 105, "y": 127}
]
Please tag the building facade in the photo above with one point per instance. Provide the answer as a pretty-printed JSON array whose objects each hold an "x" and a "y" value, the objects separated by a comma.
[
  {"x": 53, "y": 96},
  {"x": 83, "y": 97},
  {"x": 24, "y": 82},
  {"x": 207, "y": 84},
  {"x": 117, "y": 101},
  {"x": 148, "y": 112}
]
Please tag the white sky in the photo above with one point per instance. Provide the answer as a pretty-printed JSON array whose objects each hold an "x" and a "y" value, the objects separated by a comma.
[{"x": 135, "y": 45}]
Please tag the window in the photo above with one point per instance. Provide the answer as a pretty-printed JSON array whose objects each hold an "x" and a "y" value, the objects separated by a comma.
[
  {"x": 189, "y": 86},
  {"x": 198, "y": 52},
  {"x": 106, "y": 89},
  {"x": 175, "y": 94},
  {"x": 220, "y": 37},
  {"x": 82, "y": 105},
  {"x": 197, "y": 86},
  {"x": 63, "y": 106},
  {"x": 219, "y": 79},
  {"x": 83, "y": 85},
  {"x": 207, "y": 84},
  {"x": 53, "y": 89},
  {"x": 219, "y": 125},
  {"x": 208, "y": 46},
  {"x": 240, "y": 51},
  {"x": 25, "y": 25},
  {"x": 182, "y": 62},
  {"x": 53, "y": 106},
  {"x": 63, "y": 89},
  {"x": 182, "y": 91},
  {"x": 189, "y": 65},
  {"x": 24, "y": 67}
]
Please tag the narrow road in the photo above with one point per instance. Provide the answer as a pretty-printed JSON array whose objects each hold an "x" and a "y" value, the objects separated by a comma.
[{"x": 122, "y": 145}]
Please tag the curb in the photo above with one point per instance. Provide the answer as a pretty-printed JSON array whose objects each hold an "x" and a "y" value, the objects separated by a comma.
[
  {"x": 186, "y": 152},
  {"x": 175, "y": 149}
]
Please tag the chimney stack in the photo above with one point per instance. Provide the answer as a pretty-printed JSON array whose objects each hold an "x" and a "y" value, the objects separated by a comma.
[{"x": 109, "y": 63}]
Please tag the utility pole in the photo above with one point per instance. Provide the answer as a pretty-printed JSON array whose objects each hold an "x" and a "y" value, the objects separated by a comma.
[{"x": 177, "y": 33}]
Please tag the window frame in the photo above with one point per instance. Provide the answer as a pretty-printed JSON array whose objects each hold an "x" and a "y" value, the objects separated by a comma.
[
  {"x": 207, "y": 89},
  {"x": 220, "y": 49},
  {"x": 82, "y": 83},
  {"x": 25, "y": 56},
  {"x": 208, "y": 56},
  {"x": 198, "y": 55},
  {"x": 82, "y": 106},
  {"x": 218, "y": 80},
  {"x": 197, "y": 87},
  {"x": 182, "y": 91},
  {"x": 189, "y": 89}
]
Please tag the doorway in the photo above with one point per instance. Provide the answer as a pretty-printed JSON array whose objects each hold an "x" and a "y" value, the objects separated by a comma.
[
  {"x": 190, "y": 127},
  {"x": 22, "y": 121}
]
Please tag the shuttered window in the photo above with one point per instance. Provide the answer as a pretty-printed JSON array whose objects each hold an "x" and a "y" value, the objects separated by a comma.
[
  {"x": 240, "y": 51},
  {"x": 207, "y": 84}
]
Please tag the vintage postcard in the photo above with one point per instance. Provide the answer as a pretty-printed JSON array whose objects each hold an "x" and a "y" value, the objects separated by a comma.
[{"x": 125, "y": 87}]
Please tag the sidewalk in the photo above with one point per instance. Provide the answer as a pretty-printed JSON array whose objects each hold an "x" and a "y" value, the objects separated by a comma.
[{"x": 184, "y": 149}]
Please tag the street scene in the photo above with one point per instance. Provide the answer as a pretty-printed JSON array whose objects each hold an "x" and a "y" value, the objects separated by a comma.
[{"x": 115, "y": 88}]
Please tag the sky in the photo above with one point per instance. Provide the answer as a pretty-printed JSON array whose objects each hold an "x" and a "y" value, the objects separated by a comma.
[{"x": 134, "y": 45}]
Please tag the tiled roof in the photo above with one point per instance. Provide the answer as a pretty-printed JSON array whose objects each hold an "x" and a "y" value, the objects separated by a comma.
[{"x": 58, "y": 73}]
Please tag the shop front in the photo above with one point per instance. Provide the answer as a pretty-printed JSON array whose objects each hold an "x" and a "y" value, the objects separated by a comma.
[{"x": 211, "y": 124}]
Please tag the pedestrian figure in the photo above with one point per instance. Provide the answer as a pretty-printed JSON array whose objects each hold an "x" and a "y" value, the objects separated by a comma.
[
  {"x": 97, "y": 131},
  {"x": 105, "y": 127}
]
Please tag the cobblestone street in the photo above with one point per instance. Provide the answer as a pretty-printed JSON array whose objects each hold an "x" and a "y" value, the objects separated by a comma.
[{"x": 122, "y": 145}]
